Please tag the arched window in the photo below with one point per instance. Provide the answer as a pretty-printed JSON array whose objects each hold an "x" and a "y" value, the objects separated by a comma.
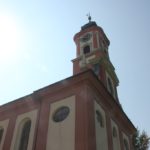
[
  {"x": 126, "y": 146},
  {"x": 99, "y": 118},
  {"x": 114, "y": 132},
  {"x": 86, "y": 49},
  {"x": 1, "y": 133},
  {"x": 24, "y": 135}
]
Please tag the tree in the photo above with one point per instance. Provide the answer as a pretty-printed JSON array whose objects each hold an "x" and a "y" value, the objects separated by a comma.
[{"x": 141, "y": 141}]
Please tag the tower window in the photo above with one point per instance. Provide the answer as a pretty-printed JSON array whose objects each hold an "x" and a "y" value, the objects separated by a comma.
[
  {"x": 99, "y": 118},
  {"x": 96, "y": 69},
  {"x": 25, "y": 135},
  {"x": 1, "y": 134},
  {"x": 86, "y": 49},
  {"x": 126, "y": 146},
  {"x": 110, "y": 86}
]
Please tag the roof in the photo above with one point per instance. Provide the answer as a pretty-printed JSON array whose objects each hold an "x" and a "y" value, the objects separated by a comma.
[
  {"x": 88, "y": 25},
  {"x": 91, "y": 80}
]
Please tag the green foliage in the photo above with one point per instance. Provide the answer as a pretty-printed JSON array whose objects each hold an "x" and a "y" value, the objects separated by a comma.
[{"x": 141, "y": 141}]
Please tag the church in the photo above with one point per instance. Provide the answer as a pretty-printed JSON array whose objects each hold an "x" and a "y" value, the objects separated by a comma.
[{"x": 81, "y": 112}]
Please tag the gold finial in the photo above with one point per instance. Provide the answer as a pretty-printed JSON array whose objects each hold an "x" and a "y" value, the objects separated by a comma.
[{"x": 89, "y": 17}]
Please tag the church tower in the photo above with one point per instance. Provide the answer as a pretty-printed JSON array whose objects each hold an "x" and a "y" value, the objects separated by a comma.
[{"x": 92, "y": 53}]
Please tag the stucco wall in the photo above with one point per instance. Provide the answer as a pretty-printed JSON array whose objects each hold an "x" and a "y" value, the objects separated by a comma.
[
  {"x": 61, "y": 135},
  {"x": 101, "y": 132},
  {"x": 116, "y": 140}
]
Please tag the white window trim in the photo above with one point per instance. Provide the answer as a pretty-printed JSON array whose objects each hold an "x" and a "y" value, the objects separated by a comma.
[
  {"x": 113, "y": 124},
  {"x": 125, "y": 137},
  {"x": 32, "y": 115}
]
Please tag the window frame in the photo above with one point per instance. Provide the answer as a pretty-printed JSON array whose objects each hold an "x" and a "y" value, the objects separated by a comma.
[
  {"x": 20, "y": 134},
  {"x": 25, "y": 133}
]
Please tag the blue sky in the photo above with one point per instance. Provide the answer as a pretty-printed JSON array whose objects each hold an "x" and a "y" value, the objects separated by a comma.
[{"x": 37, "y": 50}]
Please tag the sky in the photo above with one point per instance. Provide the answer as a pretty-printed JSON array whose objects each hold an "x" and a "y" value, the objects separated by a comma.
[{"x": 36, "y": 47}]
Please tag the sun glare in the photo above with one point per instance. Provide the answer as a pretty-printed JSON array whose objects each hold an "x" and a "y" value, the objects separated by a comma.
[{"x": 9, "y": 38}]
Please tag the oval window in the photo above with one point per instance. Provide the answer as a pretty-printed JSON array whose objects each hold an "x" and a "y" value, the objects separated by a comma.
[{"x": 61, "y": 114}]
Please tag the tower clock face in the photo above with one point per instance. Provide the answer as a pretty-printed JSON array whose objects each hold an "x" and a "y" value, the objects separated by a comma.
[{"x": 86, "y": 37}]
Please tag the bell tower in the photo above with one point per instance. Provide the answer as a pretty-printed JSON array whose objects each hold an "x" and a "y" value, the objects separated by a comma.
[{"x": 92, "y": 53}]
